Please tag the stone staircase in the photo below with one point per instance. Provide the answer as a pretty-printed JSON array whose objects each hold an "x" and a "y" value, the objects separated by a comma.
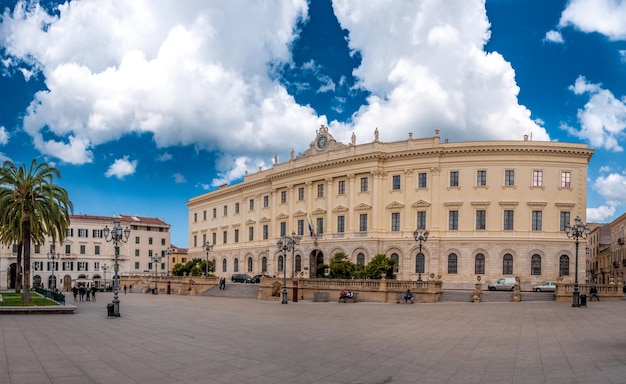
[
  {"x": 240, "y": 290},
  {"x": 456, "y": 296}
]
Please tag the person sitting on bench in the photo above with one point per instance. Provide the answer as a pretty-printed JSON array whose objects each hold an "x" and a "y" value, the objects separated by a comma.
[
  {"x": 342, "y": 296},
  {"x": 593, "y": 292},
  {"x": 408, "y": 296}
]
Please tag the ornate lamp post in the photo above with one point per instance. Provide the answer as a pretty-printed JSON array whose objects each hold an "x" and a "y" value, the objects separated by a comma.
[
  {"x": 168, "y": 253},
  {"x": 420, "y": 235},
  {"x": 156, "y": 259},
  {"x": 117, "y": 235},
  {"x": 207, "y": 247},
  {"x": 52, "y": 256},
  {"x": 287, "y": 243},
  {"x": 104, "y": 269},
  {"x": 577, "y": 231}
]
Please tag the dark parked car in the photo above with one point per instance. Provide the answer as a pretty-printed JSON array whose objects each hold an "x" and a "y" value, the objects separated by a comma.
[{"x": 241, "y": 278}]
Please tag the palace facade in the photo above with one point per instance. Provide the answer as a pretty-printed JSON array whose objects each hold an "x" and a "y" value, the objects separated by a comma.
[
  {"x": 491, "y": 208},
  {"x": 86, "y": 258}
]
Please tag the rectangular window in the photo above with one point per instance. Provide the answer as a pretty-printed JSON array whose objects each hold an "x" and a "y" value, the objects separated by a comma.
[
  {"x": 70, "y": 232},
  {"x": 509, "y": 178},
  {"x": 266, "y": 232},
  {"x": 136, "y": 265},
  {"x": 195, "y": 217},
  {"x": 283, "y": 197},
  {"x": 320, "y": 190},
  {"x": 536, "y": 225},
  {"x": 537, "y": 178},
  {"x": 82, "y": 266},
  {"x": 252, "y": 204},
  {"x": 283, "y": 228},
  {"x": 481, "y": 178},
  {"x": 421, "y": 219},
  {"x": 226, "y": 210},
  {"x": 204, "y": 238},
  {"x": 301, "y": 193},
  {"x": 236, "y": 208},
  {"x": 341, "y": 187},
  {"x": 481, "y": 219},
  {"x": 195, "y": 241},
  {"x": 37, "y": 248},
  {"x": 453, "y": 220},
  {"x": 96, "y": 265},
  {"x": 363, "y": 222},
  {"x": 300, "y": 227},
  {"x": 97, "y": 234},
  {"x": 236, "y": 235},
  {"x": 320, "y": 225},
  {"x": 68, "y": 265},
  {"x": 83, "y": 249},
  {"x": 38, "y": 265},
  {"x": 566, "y": 179},
  {"x": 395, "y": 182},
  {"x": 136, "y": 253},
  {"x": 136, "y": 239},
  {"x": 68, "y": 249},
  {"x": 395, "y": 221},
  {"x": 214, "y": 213},
  {"x": 225, "y": 237},
  {"x": 52, "y": 266},
  {"x": 149, "y": 240},
  {"x": 83, "y": 232},
  {"x": 364, "y": 184},
  {"x": 341, "y": 224},
  {"x": 266, "y": 201},
  {"x": 96, "y": 250},
  {"x": 204, "y": 215},
  {"x": 214, "y": 237},
  {"x": 250, "y": 233},
  {"x": 422, "y": 181},
  {"x": 163, "y": 242},
  {"x": 508, "y": 220},
  {"x": 564, "y": 220},
  {"x": 454, "y": 178}
]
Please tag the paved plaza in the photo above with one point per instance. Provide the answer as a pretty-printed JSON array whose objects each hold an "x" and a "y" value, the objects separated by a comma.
[{"x": 182, "y": 339}]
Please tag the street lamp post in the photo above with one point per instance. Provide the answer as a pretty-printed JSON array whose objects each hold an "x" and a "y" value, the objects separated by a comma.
[
  {"x": 117, "y": 235},
  {"x": 168, "y": 253},
  {"x": 287, "y": 243},
  {"x": 104, "y": 269},
  {"x": 156, "y": 259},
  {"x": 577, "y": 231},
  {"x": 53, "y": 256},
  {"x": 420, "y": 235},
  {"x": 207, "y": 247}
]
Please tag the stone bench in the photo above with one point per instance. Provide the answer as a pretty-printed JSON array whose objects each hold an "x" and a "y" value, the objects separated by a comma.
[
  {"x": 320, "y": 296},
  {"x": 353, "y": 299}
]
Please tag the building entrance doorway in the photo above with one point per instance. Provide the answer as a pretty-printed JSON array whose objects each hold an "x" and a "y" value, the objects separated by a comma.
[
  {"x": 317, "y": 259},
  {"x": 13, "y": 278}
]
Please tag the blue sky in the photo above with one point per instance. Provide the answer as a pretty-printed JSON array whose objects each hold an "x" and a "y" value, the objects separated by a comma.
[{"x": 142, "y": 105}]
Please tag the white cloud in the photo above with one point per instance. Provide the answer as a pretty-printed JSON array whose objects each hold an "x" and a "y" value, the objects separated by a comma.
[
  {"x": 611, "y": 187},
  {"x": 603, "y": 16},
  {"x": 165, "y": 157},
  {"x": 121, "y": 168},
  {"x": 4, "y": 136},
  {"x": 600, "y": 215},
  {"x": 179, "y": 178},
  {"x": 425, "y": 65},
  {"x": 603, "y": 119},
  {"x": 554, "y": 37}
]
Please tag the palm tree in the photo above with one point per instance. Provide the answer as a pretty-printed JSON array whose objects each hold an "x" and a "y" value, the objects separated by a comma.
[{"x": 31, "y": 207}]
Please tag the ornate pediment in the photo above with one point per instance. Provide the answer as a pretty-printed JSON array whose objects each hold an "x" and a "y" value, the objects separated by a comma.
[
  {"x": 395, "y": 205},
  {"x": 250, "y": 222},
  {"x": 362, "y": 207},
  {"x": 565, "y": 205},
  {"x": 299, "y": 213},
  {"x": 318, "y": 211},
  {"x": 264, "y": 219},
  {"x": 340, "y": 208},
  {"x": 537, "y": 203},
  {"x": 453, "y": 203},
  {"x": 421, "y": 204},
  {"x": 481, "y": 203},
  {"x": 282, "y": 216},
  {"x": 509, "y": 203}
]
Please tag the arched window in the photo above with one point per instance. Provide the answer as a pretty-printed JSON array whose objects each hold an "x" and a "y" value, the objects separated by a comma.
[
  {"x": 264, "y": 264},
  {"x": 535, "y": 265},
  {"x": 52, "y": 282},
  {"x": 564, "y": 265},
  {"x": 479, "y": 264},
  {"x": 452, "y": 264},
  {"x": 280, "y": 263},
  {"x": 396, "y": 266},
  {"x": 419, "y": 263},
  {"x": 507, "y": 264},
  {"x": 236, "y": 265},
  {"x": 224, "y": 265},
  {"x": 360, "y": 259},
  {"x": 249, "y": 264},
  {"x": 298, "y": 263}
]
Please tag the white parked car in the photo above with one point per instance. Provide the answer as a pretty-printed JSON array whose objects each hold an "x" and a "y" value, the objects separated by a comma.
[{"x": 548, "y": 286}]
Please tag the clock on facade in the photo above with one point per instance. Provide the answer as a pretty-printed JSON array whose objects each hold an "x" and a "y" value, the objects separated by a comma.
[{"x": 321, "y": 142}]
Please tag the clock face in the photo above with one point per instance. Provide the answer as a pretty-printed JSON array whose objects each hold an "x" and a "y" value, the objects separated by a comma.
[{"x": 321, "y": 142}]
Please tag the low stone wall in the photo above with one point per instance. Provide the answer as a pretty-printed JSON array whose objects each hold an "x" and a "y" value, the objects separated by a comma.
[
  {"x": 609, "y": 292},
  {"x": 383, "y": 290},
  {"x": 174, "y": 285}
]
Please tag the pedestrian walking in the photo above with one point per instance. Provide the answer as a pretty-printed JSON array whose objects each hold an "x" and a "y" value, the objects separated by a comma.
[
  {"x": 93, "y": 293},
  {"x": 124, "y": 288},
  {"x": 75, "y": 292}
]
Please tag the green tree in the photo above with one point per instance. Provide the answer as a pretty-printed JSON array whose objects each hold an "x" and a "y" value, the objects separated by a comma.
[
  {"x": 31, "y": 207},
  {"x": 341, "y": 267},
  {"x": 194, "y": 267},
  {"x": 380, "y": 264}
]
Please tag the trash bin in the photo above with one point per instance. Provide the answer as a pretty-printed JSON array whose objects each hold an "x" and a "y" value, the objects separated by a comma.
[
  {"x": 583, "y": 300},
  {"x": 155, "y": 291},
  {"x": 110, "y": 311}
]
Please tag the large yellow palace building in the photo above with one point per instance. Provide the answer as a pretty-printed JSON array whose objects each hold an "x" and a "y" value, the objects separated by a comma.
[{"x": 492, "y": 209}]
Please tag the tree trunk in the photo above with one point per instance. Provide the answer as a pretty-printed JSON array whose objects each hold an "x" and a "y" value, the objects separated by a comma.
[
  {"x": 18, "y": 269},
  {"x": 26, "y": 243}
]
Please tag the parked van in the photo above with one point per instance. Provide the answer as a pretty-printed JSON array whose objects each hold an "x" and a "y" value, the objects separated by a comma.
[{"x": 502, "y": 284}]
